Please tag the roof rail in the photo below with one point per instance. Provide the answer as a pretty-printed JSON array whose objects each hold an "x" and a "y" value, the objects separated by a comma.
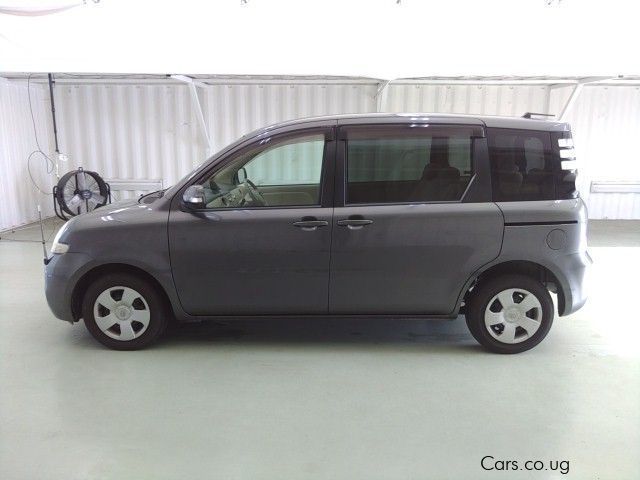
[{"x": 532, "y": 114}]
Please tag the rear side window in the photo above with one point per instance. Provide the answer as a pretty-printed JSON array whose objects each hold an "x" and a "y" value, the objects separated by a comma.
[
  {"x": 403, "y": 164},
  {"x": 522, "y": 166},
  {"x": 564, "y": 156}
]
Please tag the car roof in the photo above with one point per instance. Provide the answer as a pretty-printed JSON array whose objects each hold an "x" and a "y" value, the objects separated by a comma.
[{"x": 490, "y": 121}]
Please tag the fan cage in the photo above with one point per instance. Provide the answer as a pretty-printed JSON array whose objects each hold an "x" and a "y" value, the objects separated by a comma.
[{"x": 79, "y": 191}]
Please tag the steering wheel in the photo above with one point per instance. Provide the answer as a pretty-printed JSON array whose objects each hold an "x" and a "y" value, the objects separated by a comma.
[{"x": 255, "y": 194}]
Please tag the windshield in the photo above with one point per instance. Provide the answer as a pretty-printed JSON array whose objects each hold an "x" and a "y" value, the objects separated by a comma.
[{"x": 169, "y": 192}]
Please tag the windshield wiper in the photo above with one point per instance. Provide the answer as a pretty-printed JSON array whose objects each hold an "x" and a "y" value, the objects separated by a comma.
[{"x": 158, "y": 193}]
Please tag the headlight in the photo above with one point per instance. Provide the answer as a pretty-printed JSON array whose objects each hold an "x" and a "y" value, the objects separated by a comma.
[{"x": 58, "y": 247}]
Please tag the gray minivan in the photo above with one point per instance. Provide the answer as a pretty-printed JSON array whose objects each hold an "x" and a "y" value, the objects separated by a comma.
[{"x": 395, "y": 215}]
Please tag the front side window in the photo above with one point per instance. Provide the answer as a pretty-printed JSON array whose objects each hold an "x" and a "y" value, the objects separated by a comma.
[
  {"x": 521, "y": 165},
  {"x": 277, "y": 173},
  {"x": 401, "y": 164}
]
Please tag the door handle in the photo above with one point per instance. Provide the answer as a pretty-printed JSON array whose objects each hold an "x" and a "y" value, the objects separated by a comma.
[
  {"x": 354, "y": 223},
  {"x": 310, "y": 224}
]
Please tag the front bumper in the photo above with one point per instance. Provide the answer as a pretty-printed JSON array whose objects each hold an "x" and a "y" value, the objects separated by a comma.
[{"x": 61, "y": 274}]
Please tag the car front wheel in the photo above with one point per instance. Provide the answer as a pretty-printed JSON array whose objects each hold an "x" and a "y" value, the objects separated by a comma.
[
  {"x": 124, "y": 312},
  {"x": 510, "y": 314}
]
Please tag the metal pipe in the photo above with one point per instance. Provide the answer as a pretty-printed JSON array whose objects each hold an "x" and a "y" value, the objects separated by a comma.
[
  {"x": 381, "y": 95},
  {"x": 576, "y": 93},
  {"x": 346, "y": 81},
  {"x": 198, "y": 107},
  {"x": 205, "y": 81},
  {"x": 480, "y": 81},
  {"x": 200, "y": 117},
  {"x": 53, "y": 112}
]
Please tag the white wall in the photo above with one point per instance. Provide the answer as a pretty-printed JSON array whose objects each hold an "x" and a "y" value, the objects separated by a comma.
[
  {"x": 149, "y": 131},
  {"x": 233, "y": 110},
  {"x": 142, "y": 132},
  {"x": 605, "y": 121},
  {"x": 475, "y": 99},
  {"x": 18, "y": 196}
]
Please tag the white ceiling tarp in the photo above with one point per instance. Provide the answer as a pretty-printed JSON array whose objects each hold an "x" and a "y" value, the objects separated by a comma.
[{"x": 370, "y": 38}]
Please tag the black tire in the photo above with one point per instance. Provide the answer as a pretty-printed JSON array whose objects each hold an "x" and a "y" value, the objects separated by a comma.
[
  {"x": 482, "y": 295},
  {"x": 158, "y": 310}
]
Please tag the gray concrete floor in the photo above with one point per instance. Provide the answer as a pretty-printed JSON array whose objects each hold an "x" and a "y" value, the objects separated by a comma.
[{"x": 348, "y": 399}]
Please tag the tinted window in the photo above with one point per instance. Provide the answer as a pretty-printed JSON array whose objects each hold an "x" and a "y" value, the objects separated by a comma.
[
  {"x": 396, "y": 165},
  {"x": 522, "y": 166},
  {"x": 278, "y": 173}
]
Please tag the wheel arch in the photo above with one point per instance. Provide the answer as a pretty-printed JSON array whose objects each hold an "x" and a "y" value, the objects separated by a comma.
[
  {"x": 523, "y": 267},
  {"x": 91, "y": 275}
]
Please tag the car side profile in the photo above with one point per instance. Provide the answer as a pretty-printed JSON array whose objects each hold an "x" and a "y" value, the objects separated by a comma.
[{"x": 397, "y": 215}]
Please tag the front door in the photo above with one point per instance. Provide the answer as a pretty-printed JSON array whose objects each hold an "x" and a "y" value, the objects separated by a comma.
[
  {"x": 413, "y": 218},
  {"x": 262, "y": 244}
]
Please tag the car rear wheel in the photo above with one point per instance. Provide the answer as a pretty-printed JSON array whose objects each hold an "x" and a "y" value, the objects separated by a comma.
[
  {"x": 510, "y": 314},
  {"x": 124, "y": 312}
]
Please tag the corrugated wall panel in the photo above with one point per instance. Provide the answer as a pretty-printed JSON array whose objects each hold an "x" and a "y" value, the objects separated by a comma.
[
  {"x": 129, "y": 132},
  {"x": 19, "y": 196},
  {"x": 472, "y": 99},
  {"x": 605, "y": 121},
  {"x": 149, "y": 131},
  {"x": 233, "y": 110}
]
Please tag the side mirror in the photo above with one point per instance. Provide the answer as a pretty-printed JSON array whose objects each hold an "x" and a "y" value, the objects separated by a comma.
[
  {"x": 193, "y": 197},
  {"x": 241, "y": 175}
]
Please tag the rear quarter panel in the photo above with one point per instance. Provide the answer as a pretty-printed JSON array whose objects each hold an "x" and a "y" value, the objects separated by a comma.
[{"x": 551, "y": 233}]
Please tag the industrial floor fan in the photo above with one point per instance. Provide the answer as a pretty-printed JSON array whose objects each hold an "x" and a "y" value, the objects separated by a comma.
[{"x": 80, "y": 191}]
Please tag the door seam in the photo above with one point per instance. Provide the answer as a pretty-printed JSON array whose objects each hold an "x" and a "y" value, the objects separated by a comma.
[{"x": 333, "y": 211}]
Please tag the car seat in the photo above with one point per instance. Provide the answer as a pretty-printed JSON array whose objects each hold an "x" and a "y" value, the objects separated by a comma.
[{"x": 440, "y": 181}]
